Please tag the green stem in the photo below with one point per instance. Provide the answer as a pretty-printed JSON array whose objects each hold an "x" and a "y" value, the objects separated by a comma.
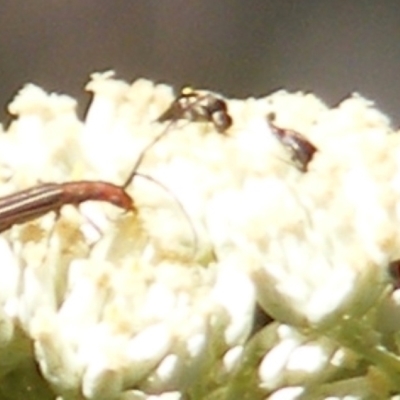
[{"x": 360, "y": 338}]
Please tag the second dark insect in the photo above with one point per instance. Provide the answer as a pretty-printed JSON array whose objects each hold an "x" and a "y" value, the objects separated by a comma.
[
  {"x": 302, "y": 149},
  {"x": 199, "y": 106}
]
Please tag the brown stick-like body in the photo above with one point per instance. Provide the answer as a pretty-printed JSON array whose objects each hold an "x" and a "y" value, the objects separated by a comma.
[
  {"x": 34, "y": 202},
  {"x": 26, "y": 205}
]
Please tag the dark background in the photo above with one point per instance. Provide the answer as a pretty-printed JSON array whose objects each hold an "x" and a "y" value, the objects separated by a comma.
[{"x": 237, "y": 47}]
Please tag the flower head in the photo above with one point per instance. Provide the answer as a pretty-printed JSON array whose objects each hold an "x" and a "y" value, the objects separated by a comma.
[{"x": 159, "y": 303}]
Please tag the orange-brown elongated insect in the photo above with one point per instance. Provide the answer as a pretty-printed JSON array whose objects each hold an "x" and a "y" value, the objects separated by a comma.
[
  {"x": 199, "y": 106},
  {"x": 302, "y": 149},
  {"x": 32, "y": 203},
  {"x": 28, "y": 204}
]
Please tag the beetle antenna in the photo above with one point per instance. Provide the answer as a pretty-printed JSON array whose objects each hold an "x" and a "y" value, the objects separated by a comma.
[
  {"x": 180, "y": 206},
  {"x": 134, "y": 173},
  {"x": 144, "y": 152}
]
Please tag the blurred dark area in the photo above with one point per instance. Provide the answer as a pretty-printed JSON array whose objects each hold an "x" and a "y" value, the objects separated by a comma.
[{"x": 238, "y": 48}]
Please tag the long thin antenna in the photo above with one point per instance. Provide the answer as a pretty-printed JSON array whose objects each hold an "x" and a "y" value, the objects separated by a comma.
[
  {"x": 213, "y": 110},
  {"x": 144, "y": 152},
  {"x": 134, "y": 173},
  {"x": 180, "y": 205}
]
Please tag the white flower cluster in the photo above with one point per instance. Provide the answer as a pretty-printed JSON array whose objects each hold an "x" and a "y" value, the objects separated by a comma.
[{"x": 101, "y": 303}]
